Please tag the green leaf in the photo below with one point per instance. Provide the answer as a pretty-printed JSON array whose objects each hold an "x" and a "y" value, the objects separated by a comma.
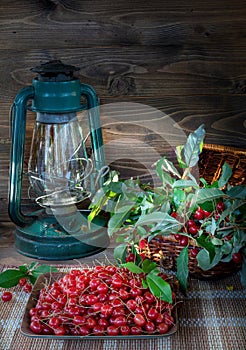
[
  {"x": 144, "y": 283},
  {"x": 23, "y": 268},
  {"x": 204, "y": 260},
  {"x": 124, "y": 206},
  {"x": 235, "y": 205},
  {"x": 120, "y": 253},
  {"x": 208, "y": 206},
  {"x": 165, "y": 177},
  {"x": 237, "y": 192},
  {"x": 207, "y": 194},
  {"x": 148, "y": 265},
  {"x": 226, "y": 248},
  {"x": 205, "y": 243},
  {"x": 193, "y": 146},
  {"x": 159, "y": 287},
  {"x": 184, "y": 184},
  {"x": 117, "y": 220},
  {"x": 225, "y": 176},
  {"x": 182, "y": 268},
  {"x": 216, "y": 241},
  {"x": 179, "y": 155},
  {"x": 41, "y": 269},
  {"x": 31, "y": 278},
  {"x": 156, "y": 217},
  {"x": 10, "y": 278},
  {"x": 32, "y": 265},
  {"x": 167, "y": 166},
  {"x": 132, "y": 267},
  {"x": 142, "y": 232}
]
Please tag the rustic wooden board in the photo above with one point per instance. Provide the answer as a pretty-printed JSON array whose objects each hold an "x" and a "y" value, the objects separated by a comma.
[
  {"x": 80, "y": 23},
  {"x": 136, "y": 70}
]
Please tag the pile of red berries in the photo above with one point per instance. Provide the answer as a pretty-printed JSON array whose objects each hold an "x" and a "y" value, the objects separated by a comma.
[{"x": 104, "y": 300}]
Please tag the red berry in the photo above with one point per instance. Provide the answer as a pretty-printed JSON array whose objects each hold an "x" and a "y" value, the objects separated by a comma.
[
  {"x": 22, "y": 281},
  {"x": 216, "y": 216},
  {"x": 228, "y": 238},
  {"x": 193, "y": 230},
  {"x": 149, "y": 327},
  {"x": 79, "y": 320},
  {"x": 112, "y": 330},
  {"x": 206, "y": 213},
  {"x": 54, "y": 322},
  {"x": 60, "y": 330},
  {"x": 139, "y": 320},
  {"x": 136, "y": 330},
  {"x": 6, "y": 296},
  {"x": 125, "y": 330},
  {"x": 220, "y": 206},
  {"x": 83, "y": 330},
  {"x": 117, "y": 282},
  {"x": 130, "y": 257},
  {"x": 152, "y": 314},
  {"x": 106, "y": 310},
  {"x": 36, "y": 327},
  {"x": 149, "y": 297},
  {"x": 177, "y": 236},
  {"x": 174, "y": 214},
  {"x": 162, "y": 328},
  {"x": 194, "y": 252},
  {"x": 98, "y": 330},
  {"x": 191, "y": 223},
  {"x": 237, "y": 258},
  {"x": 143, "y": 256},
  {"x": 131, "y": 304},
  {"x": 142, "y": 244},
  {"x": 120, "y": 321},
  {"x": 102, "y": 288},
  {"x": 199, "y": 214},
  {"x": 27, "y": 288},
  {"x": 91, "y": 322},
  {"x": 183, "y": 241}
]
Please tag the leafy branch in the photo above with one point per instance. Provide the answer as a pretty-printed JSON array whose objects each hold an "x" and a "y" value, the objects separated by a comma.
[
  {"x": 11, "y": 277},
  {"x": 139, "y": 212}
]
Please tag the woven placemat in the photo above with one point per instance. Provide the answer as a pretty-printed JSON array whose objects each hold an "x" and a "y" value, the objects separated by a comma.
[{"x": 212, "y": 316}]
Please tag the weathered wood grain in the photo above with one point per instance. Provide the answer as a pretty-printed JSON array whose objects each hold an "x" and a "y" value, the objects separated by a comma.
[
  {"x": 81, "y": 23},
  {"x": 136, "y": 70}
]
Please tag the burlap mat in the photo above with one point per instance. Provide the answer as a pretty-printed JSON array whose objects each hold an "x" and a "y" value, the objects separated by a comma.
[{"x": 212, "y": 316}]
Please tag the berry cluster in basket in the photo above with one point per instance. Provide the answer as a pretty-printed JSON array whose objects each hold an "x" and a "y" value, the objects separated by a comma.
[
  {"x": 196, "y": 226},
  {"x": 104, "y": 300}
]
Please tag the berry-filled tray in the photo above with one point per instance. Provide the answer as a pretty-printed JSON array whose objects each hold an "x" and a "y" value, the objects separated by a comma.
[{"x": 63, "y": 306}]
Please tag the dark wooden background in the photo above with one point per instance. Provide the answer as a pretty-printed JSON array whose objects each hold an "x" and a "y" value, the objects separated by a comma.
[{"x": 185, "y": 58}]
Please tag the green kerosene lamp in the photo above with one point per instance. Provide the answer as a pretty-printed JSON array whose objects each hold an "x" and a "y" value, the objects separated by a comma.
[{"x": 65, "y": 166}]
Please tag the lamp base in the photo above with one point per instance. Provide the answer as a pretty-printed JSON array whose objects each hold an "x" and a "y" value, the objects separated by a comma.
[{"x": 45, "y": 239}]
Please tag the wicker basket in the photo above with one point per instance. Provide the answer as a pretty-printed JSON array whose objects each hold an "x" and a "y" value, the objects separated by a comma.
[
  {"x": 213, "y": 157},
  {"x": 166, "y": 249}
]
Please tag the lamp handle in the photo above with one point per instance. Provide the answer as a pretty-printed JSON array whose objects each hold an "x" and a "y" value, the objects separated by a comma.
[
  {"x": 18, "y": 131},
  {"x": 95, "y": 126}
]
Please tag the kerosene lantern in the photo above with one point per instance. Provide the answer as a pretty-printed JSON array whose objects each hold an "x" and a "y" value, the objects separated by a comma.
[{"x": 66, "y": 165}]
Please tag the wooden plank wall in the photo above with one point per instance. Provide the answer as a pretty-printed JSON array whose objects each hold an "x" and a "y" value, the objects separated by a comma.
[{"x": 185, "y": 58}]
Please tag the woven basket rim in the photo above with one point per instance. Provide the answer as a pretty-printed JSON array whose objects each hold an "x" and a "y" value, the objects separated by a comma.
[{"x": 222, "y": 148}]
